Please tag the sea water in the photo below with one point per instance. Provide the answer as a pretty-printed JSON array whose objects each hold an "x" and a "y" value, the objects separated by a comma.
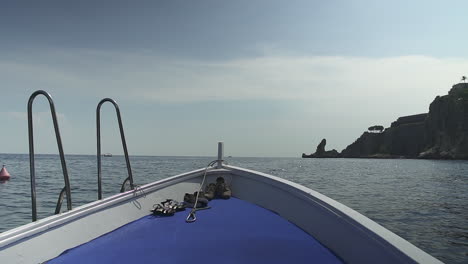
[{"x": 423, "y": 201}]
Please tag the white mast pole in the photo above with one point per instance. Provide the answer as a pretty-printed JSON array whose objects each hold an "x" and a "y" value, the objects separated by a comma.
[{"x": 220, "y": 155}]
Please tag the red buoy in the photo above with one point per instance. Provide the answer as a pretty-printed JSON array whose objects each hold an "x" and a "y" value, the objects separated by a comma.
[{"x": 4, "y": 175}]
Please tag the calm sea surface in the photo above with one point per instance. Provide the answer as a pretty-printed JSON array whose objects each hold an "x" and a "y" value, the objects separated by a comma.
[{"x": 425, "y": 202}]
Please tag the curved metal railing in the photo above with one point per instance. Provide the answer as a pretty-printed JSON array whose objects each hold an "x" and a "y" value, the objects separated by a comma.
[
  {"x": 124, "y": 144},
  {"x": 65, "y": 189}
]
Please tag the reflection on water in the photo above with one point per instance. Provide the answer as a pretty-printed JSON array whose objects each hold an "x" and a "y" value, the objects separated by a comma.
[{"x": 420, "y": 200}]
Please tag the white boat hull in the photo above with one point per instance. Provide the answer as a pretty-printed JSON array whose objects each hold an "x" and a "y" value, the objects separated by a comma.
[{"x": 350, "y": 235}]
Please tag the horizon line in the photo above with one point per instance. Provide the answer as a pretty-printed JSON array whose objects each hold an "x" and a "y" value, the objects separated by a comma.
[{"x": 142, "y": 155}]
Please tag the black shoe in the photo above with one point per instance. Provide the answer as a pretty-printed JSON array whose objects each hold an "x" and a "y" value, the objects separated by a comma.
[{"x": 189, "y": 200}]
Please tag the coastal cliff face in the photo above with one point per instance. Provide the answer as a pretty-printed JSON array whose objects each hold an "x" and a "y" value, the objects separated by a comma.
[
  {"x": 446, "y": 128},
  {"x": 440, "y": 134},
  {"x": 405, "y": 138},
  {"x": 367, "y": 144}
]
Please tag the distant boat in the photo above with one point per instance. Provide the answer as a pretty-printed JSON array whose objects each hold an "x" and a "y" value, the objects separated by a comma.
[{"x": 107, "y": 154}]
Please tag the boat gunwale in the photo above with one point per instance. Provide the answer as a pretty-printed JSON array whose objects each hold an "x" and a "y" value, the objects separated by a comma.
[
  {"x": 371, "y": 228},
  {"x": 10, "y": 237}
]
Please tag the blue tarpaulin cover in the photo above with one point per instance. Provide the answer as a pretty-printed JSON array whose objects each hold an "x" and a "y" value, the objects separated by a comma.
[{"x": 232, "y": 231}]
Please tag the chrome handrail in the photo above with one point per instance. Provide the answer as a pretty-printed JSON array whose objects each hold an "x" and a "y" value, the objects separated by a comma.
[
  {"x": 124, "y": 144},
  {"x": 66, "y": 189}
]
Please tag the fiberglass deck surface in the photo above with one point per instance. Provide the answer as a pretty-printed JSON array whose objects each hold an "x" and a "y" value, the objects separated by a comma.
[{"x": 232, "y": 231}]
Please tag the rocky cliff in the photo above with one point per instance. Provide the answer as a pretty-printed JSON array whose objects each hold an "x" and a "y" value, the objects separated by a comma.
[
  {"x": 446, "y": 127},
  {"x": 440, "y": 134},
  {"x": 405, "y": 138}
]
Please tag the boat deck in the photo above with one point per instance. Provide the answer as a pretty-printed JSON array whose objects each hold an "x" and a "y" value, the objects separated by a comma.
[{"x": 232, "y": 231}]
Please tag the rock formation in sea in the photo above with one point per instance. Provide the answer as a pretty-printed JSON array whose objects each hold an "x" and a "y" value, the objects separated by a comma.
[
  {"x": 322, "y": 153},
  {"x": 440, "y": 134}
]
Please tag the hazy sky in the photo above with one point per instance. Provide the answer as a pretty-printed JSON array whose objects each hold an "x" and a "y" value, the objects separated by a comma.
[{"x": 269, "y": 78}]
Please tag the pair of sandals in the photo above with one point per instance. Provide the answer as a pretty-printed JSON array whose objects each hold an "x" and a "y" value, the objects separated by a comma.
[{"x": 168, "y": 208}]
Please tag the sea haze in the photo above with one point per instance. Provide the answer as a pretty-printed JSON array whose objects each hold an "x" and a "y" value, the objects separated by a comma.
[{"x": 423, "y": 201}]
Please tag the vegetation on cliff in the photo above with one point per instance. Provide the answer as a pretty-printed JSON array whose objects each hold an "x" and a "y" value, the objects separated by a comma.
[{"x": 376, "y": 129}]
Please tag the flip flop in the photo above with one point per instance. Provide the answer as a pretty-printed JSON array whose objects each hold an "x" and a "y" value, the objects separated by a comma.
[
  {"x": 160, "y": 210},
  {"x": 174, "y": 205}
]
